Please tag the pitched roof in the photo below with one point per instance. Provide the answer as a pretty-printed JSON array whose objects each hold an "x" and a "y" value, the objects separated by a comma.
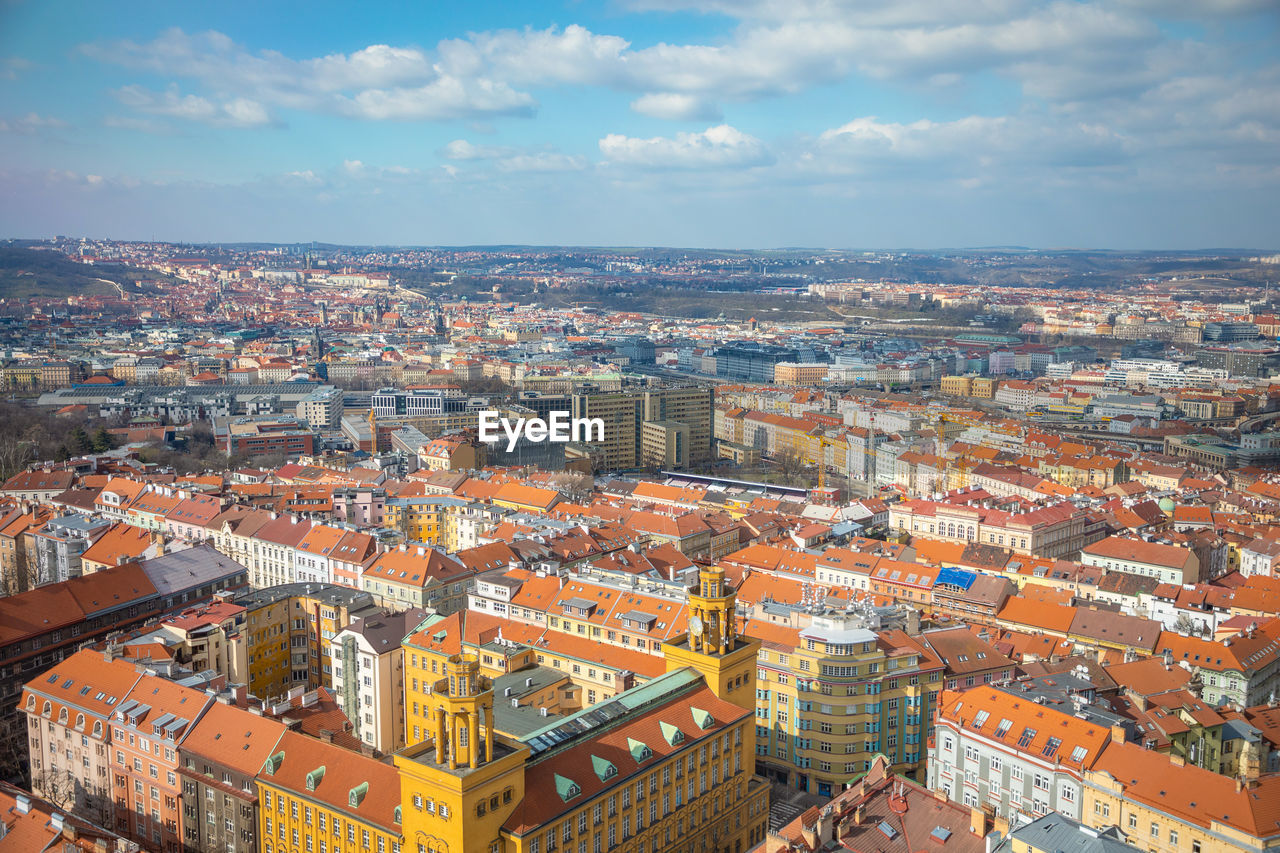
[{"x": 344, "y": 772}]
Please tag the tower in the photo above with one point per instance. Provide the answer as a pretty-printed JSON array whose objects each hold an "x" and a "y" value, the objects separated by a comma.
[
  {"x": 459, "y": 787},
  {"x": 712, "y": 644}
]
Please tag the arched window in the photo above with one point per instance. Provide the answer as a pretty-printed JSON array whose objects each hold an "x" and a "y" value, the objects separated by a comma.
[
  {"x": 79, "y": 722},
  {"x": 47, "y": 710}
]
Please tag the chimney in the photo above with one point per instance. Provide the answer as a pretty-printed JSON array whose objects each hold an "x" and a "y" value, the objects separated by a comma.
[
  {"x": 979, "y": 821},
  {"x": 326, "y": 735}
]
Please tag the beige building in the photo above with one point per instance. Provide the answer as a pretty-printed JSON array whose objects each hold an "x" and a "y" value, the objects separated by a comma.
[
  {"x": 322, "y": 409},
  {"x": 664, "y": 444},
  {"x": 797, "y": 373}
]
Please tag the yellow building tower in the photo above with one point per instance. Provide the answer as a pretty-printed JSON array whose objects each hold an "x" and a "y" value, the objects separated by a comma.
[
  {"x": 712, "y": 645},
  {"x": 458, "y": 787}
]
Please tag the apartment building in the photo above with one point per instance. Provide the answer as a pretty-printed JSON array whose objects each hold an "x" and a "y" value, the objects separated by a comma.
[
  {"x": 318, "y": 796},
  {"x": 1166, "y": 563},
  {"x": 288, "y": 628},
  {"x": 218, "y": 762},
  {"x": 1168, "y": 806},
  {"x": 68, "y": 732},
  {"x": 148, "y": 724},
  {"x": 367, "y": 677},
  {"x": 1060, "y": 530},
  {"x": 418, "y": 577},
  {"x": 1014, "y": 753},
  {"x": 832, "y": 695}
]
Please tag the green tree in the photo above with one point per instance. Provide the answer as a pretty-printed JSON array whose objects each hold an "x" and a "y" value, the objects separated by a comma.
[
  {"x": 102, "y": 440},
  {"x": 78, "y": 441}
]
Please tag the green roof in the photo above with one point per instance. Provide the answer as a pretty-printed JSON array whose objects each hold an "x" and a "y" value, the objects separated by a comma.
[
  {"x": 639, "y": 750},
  {"x": 702, "y": 718},
  {"x": 603, "y": 767},
  {"x": 566, "y": 788},
  {"x": 671, "y": 733}
]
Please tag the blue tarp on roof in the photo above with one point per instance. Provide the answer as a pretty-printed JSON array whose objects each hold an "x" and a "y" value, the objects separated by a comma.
[{"x": 956, "y": 577}]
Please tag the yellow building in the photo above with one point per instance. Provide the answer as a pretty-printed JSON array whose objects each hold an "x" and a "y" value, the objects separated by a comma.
[
  {"x": 420, "y": 519},
  {"x": 664, "y": 444},
  {"x": 326, "y": 799},
  {"x": 286, "y": 632},
  {"x": 1164, "y": 805},
  {"x": 957, "y": 386},
  {"x": 668, "y": 765},
  {"x": 833, "y": 695},
  {"x": 983, "y": 387}
]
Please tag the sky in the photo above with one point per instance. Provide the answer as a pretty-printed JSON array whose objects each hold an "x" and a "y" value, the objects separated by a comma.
[{"x": 1128, "y": 124}]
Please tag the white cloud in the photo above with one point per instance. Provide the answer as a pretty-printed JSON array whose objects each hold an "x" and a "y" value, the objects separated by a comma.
[
  {"x": 541, "y": 162},
  {"x": 461, "y": 149},
  {"x": 12, "y": 66},
  {"x": 719, "y": 147},
  {"x": 236, "y": 112},
  {"x": 446, "y": 97},
  {"x": 674, "y": 105},
  {"x": 32, "y": 123},
  {"x": 143, "y": 125}
]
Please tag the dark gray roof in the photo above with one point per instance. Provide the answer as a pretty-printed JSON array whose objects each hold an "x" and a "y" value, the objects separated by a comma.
[
  {"x": 385, "y": 630},
  {"x": 193, "y": 567},
  {"x": 327, "y": 593}
]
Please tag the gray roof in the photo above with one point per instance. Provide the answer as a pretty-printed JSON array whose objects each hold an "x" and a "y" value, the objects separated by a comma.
[
  {"x": 385, "y": 630},
  {"x": 520, "y": 721},
  {"x": 194, "y": 567},
  {"x": 1064, "y": 835},
  {"x": 327, "y": 593}
]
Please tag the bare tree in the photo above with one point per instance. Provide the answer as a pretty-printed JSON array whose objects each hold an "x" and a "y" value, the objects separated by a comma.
[{"x": 790, "y": 464}]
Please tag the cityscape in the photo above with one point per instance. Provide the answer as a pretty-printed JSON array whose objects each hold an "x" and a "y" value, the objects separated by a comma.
[{"x": 582, "y": 461}]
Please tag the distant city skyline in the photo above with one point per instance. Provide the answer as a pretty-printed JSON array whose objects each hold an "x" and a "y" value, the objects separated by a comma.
[{"x": 1127, "y": 124}]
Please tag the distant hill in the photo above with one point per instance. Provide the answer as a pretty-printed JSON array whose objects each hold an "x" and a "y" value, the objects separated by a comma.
[{"x": 31, "y": 272}]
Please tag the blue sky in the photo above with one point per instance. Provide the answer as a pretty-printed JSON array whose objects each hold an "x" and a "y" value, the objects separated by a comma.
[{"x": 719, "y": 123}]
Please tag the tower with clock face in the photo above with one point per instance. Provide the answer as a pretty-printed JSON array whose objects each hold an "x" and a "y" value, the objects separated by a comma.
[{"x": 712, "y": 644}]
